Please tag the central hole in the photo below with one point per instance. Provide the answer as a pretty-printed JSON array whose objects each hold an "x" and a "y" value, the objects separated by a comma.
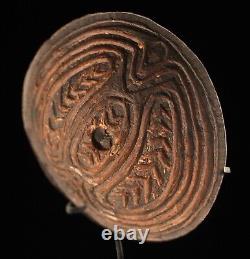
[{"x": 101, "y": 139}]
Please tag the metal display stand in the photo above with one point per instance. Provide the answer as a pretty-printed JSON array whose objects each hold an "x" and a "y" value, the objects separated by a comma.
[{"x": 72, "y": 209}]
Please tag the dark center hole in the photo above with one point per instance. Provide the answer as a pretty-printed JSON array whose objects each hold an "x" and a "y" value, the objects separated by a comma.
[{"x": 101, "y": 139}]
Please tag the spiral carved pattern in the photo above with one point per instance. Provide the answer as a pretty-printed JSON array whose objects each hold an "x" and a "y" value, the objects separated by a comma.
[{"x": 126, "y": 122}]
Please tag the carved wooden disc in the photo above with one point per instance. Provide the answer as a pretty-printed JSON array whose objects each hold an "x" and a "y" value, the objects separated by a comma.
[{"x": 124, "y": 120}]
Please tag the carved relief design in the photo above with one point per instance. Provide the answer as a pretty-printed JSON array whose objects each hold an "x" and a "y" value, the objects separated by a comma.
[{"x": 124, "y": 124}]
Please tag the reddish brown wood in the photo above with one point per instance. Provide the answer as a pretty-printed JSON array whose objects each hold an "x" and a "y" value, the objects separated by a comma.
[{"x": 125, "y": 121}]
